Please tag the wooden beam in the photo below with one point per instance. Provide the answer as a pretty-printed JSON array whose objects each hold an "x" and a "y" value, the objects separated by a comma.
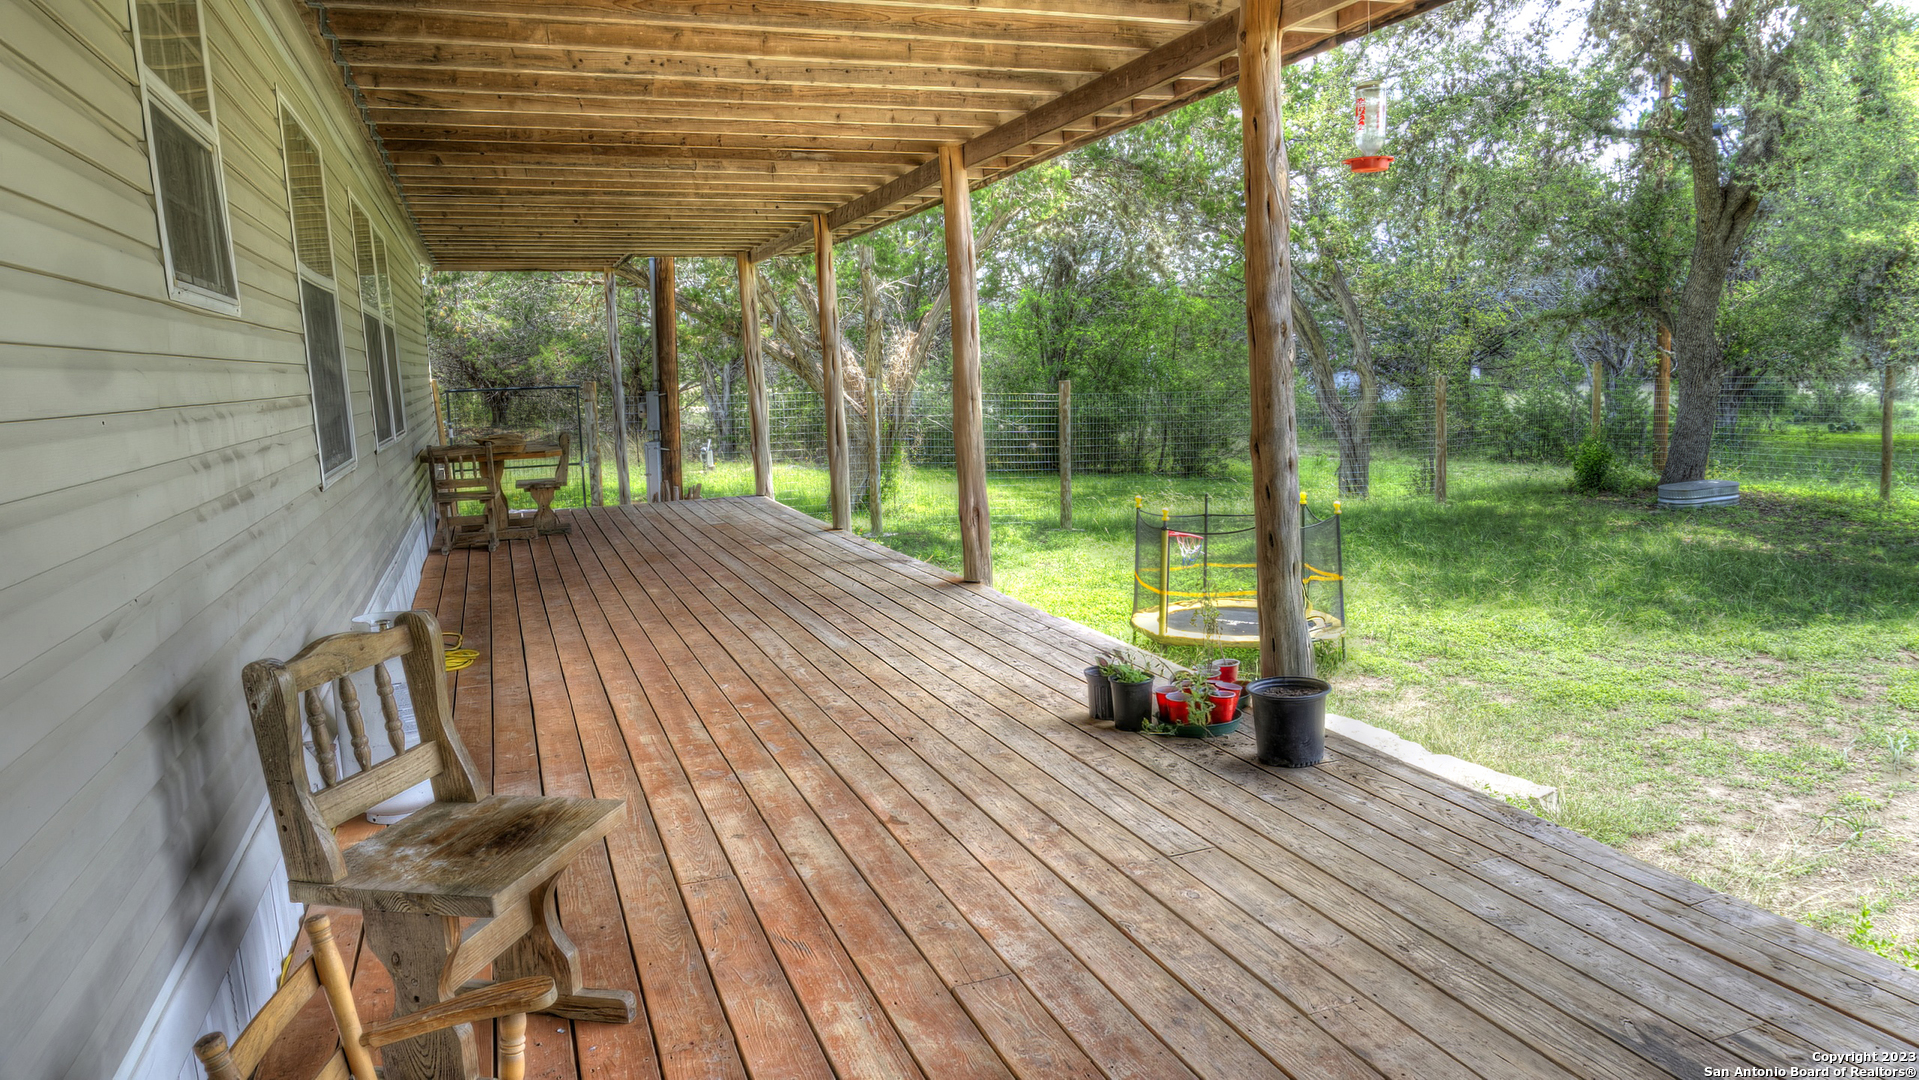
[
  {"x": 838, "y": 474},
  {"x": 666, "y": 346},
  {"x": 618, "y": 383},
  {"x": 969, "y": 430},
  {"x": 1285, "y": 648},
  {"x": 759, "y": 429}
]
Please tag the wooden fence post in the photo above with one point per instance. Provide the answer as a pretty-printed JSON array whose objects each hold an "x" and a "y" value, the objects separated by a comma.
[
  {"x": 591, "y": 437},
  {"x": 1662, "y": 398},
  {"x": 1066, "y": 453},
  {"x": 1885, "y": 435},
  {"x": 620, "y": 468},
  {"x": 1598, "y": 392},
  {"x": 439, "y": 416},
  {"x": 838, "y": 468},
  {"x": 1439, "y": 439}
]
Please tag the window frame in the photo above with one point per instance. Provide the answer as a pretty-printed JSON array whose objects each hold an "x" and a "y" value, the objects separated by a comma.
[
  {"x": 379, "y": 308},
  {"x": 284, "y": 113},
  {"x": 155, "y": 93}
]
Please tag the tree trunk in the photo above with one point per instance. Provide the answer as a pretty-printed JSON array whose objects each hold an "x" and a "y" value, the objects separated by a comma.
[{"x": 1699, "y": 370}]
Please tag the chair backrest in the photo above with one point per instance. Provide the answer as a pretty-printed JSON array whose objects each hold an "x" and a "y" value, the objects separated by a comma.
[
  {"x": 566, "y": 438},
  {"x": 321, "y": 971},
  {"x": 469, "y": 474},
  {"x": 283, "y": 698}
]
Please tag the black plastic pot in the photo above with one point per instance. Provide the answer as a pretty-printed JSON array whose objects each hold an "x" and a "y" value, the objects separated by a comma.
[
  {"x": 1099, "y": 695},
  {"x": 1132, "y": 704},
  {"x": 1290, "y": 729}
]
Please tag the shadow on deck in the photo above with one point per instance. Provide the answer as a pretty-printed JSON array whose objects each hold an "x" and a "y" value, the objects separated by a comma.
[{"x": 873, "y": 834}]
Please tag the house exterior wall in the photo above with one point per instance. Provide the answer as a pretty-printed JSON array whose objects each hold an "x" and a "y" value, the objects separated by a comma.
[{"x": 162, "y": 522}]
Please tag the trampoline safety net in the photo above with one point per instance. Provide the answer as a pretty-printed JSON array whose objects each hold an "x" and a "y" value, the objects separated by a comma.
[{"x": 1193, "y": 577}]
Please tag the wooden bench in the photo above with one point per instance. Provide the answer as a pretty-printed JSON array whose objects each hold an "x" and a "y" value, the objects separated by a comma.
[
  {"x": 467, "y": 855},
  {"x": 543, "y": 488}
]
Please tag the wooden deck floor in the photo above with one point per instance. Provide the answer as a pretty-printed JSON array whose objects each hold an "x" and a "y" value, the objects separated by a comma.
[{"x": 873, "y": 835}]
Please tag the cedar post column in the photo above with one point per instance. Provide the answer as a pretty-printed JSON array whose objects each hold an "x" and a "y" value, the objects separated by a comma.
[
  {"x": 1598, "y": 425},
  {"x": 840, "y": 495},
  {"x": 755, "y": 378},
  {"x": 1285, "y": 647},
  {"x": 619, "y": 393},
  {"x": 666, "y": 351},
  {"x": 969, "y": 425},
  {"x": 1662, "y": 397}
]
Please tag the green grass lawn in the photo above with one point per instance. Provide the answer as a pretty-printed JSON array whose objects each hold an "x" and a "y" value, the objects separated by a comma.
[{"x": 1732, "y": 693}]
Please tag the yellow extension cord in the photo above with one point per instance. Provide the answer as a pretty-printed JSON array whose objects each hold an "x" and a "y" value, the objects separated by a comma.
[{"x": 458, "y": 659}]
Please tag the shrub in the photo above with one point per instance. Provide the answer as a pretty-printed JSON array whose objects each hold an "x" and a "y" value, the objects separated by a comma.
[{"x": 1592, "y": 467}]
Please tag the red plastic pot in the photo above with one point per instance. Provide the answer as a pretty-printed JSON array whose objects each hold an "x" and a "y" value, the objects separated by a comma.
[{"x": 1225, "y": 704}]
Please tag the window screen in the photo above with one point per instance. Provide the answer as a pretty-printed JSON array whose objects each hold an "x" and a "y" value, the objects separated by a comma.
[
  {"x": 307, "y": 188},
  {"x": 324, "y": 364},
  {"x": 393, "y": 382},
  {"x": 170, "y": 48},
  {"x": 190, "y": 206}
]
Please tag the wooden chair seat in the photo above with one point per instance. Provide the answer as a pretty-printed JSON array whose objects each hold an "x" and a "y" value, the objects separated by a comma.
[
  {"x": 543, "y": 488},
  {"x": 478, "y": 859}
]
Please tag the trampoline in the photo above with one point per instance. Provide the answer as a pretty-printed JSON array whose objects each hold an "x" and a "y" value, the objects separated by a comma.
[{"x": 1193, "y": 576}]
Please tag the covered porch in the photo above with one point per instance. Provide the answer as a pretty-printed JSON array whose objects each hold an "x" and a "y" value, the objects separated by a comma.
[{"x": 873, "y": 833}]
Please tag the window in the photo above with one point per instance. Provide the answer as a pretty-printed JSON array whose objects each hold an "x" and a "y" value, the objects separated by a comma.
[
  {"x": 319, "y": 307},
  {"x": 376, "y": 316},
  {"x": 185, "y": 152}
]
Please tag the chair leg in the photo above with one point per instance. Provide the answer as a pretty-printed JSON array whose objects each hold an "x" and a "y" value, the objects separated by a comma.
[
  {"x": 546, "y": 950},
  {"x": 414, "y": 949},
  {"x": 545, "y": 521}
]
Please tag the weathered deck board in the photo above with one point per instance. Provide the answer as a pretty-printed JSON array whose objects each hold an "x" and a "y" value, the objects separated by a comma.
[{"x": 872, "y": 834}]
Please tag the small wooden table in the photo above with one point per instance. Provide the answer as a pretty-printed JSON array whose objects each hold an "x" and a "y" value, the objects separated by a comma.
[{"x": 495, "y": 466}]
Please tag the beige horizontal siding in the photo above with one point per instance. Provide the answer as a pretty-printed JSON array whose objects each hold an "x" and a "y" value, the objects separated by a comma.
[{"x": 161, "y": 514}]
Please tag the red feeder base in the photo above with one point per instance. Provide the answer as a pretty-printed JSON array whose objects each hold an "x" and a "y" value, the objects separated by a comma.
[{"x": 1369, "y": 164}]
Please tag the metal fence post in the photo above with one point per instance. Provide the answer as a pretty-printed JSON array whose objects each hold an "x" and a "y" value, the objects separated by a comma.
[
  {"x": 1885, "y": 436},
  {"x": 1439, "y": 439}
]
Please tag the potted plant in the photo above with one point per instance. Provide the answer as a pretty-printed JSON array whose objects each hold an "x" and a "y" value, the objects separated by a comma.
[
  {"x": 1099, "y": 693},
  {"x": 1131, "y": 687},
  {"x": 1289, "y": 720}
]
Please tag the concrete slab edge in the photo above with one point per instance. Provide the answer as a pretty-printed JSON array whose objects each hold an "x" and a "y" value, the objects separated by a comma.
[{"x": 1458, "y": 770}]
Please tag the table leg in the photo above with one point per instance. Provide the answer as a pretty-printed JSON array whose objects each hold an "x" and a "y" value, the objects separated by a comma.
[{"x": 414, "y": 949}]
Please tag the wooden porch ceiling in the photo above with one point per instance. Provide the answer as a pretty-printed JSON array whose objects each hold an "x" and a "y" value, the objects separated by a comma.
[
  {"x": 872, "y": 833},
  {"x": 568, "y": 135}
]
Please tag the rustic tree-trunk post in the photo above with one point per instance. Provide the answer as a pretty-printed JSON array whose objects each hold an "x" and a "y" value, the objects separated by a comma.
[
  {"x": 1285, "y": 645},
  {"x": 666, "y": 353},
  {"x": 969, "y": 424},
  {"x": 595, "y": 485},
  {"x": 755, "y": 378},
  {"x": 1066, "y": 453},
  {"x": 619, "y": 394},
  {"x": 1439, "y": 439},
  {"x": 1885, "y": 434},
  {"x": 1662, "y": 397},
  {"x": 840, "y": 496}
]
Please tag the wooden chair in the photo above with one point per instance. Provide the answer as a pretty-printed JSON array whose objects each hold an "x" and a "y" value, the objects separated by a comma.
[
  {"x": 465, "y": 478},
  {"x": 467, "y": 854},
  {"x": 545, "y": 521},
  {"x": 507, "y": 1002}
]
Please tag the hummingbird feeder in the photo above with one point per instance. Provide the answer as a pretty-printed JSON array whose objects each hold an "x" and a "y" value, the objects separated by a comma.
[{"x": 1369, "y": 128}]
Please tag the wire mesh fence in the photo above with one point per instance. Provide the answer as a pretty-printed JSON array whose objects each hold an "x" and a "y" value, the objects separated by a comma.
[
  {"x": 1824, "y": 433},
  {"x": 541, "y": 413}
]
